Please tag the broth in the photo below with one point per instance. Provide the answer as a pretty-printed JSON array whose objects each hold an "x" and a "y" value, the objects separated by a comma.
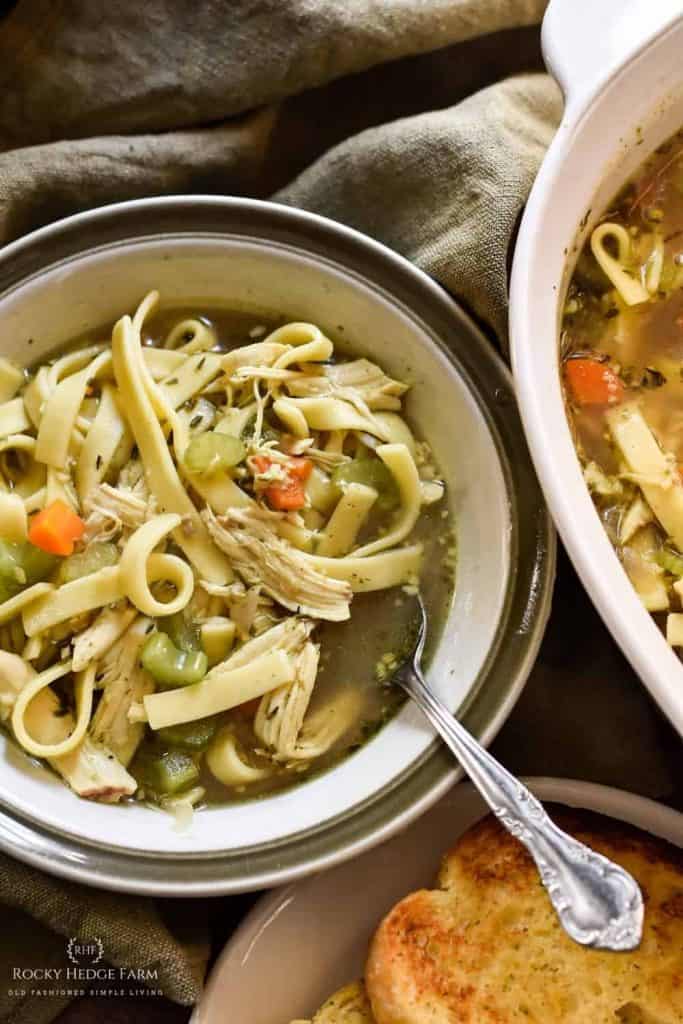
[{"x": 622, "y": 364}]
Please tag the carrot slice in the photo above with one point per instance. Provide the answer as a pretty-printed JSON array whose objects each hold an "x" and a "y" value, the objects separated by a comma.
[
  {"x": 286, "y": 495},
  {"x": 56, "y": 528},
  {"x": 300, "y": 468},
  {"x": 591, "y": 382}
]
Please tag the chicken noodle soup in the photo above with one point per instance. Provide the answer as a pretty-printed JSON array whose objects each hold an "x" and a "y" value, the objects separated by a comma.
[
  {"x": 622, "y": 351},
  {"x": 210, "y": 529}
]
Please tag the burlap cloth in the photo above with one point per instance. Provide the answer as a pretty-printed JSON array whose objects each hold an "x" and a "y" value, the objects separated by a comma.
[{"x": 420, "y": 122}]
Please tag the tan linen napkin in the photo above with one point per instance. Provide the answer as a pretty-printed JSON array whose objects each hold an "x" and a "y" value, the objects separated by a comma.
[
  {"x": 99, "y": 104},
  {"x": 54, "y": 932},
  {"x": 421, "y": 122},
  {"x": 440, "y": 187}
]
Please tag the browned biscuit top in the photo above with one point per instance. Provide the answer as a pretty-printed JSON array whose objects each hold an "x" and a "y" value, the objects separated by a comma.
[{"x": 487, "y": 948}]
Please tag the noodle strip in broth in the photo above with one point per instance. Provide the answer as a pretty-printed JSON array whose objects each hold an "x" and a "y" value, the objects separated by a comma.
[
  {"x": 83, "y": 692},
  {"x": 160, "y": 470}
]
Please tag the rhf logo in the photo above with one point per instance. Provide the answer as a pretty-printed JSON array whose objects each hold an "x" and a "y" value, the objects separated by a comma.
[
  {"x": 86, "y": 958},
  {"x": 85, "y": 953}
]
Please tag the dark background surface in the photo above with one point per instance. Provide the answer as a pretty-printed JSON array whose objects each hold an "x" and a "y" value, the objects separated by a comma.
[{"x": 584, "y": 714}]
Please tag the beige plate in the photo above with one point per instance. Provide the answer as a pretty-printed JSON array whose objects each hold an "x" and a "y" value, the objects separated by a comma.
[{"x": 302, "y": 942}]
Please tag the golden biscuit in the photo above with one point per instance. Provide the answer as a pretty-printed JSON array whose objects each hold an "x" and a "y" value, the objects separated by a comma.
[{"x": 487, "y": 948}]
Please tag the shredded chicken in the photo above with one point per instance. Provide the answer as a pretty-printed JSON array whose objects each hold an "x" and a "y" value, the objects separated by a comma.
[
  {"x": 203, "y": 604},
  {"x": 101, "y": 526},
  {"x": 123, "y": 682},
  {"x": 263, "y": 620},
  {"x": 366, "y": 379},
  {"x": 118, "y": 503},
  {"x": 95, "y": 641},
  {"x": 92, "y": 770},
  {"x": 287, "y": 636},
  {"x": 228, "y": 591},
  {"x": 244, "y": 609},
  {"x": 261, "y": 557},
  {"x": 327, "y": 460},
  {"x": 132, "y": 478},
  {"x": 281, "y": 713}
]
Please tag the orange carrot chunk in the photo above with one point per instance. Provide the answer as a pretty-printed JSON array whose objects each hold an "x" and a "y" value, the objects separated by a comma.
[
  {"x": 56, "y": 528},
  {"x": 300, "y": 468},
  {"x": 591, "y": 382},
  {"x": 286, "y": 495}
]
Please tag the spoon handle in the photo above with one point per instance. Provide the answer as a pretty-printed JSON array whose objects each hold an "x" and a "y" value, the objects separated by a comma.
[{"x": 598, "y": 903}]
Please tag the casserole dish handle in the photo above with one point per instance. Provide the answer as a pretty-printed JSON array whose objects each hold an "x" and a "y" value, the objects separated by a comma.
[{"x": 586, "y": 42}]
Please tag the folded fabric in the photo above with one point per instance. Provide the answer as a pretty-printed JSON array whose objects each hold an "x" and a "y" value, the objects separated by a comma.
[
  {"x": 441, "y": 188},
  {"x": 399, "y": 117},
  {"x": 98, "y": 106},
  {"x": 43, "y": 915}
]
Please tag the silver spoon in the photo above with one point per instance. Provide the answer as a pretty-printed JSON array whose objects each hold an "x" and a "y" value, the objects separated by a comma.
[{"x": 598, "y": 903}]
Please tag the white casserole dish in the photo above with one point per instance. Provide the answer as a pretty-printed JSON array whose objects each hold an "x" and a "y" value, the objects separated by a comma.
[{"x": 619, "y": 65}]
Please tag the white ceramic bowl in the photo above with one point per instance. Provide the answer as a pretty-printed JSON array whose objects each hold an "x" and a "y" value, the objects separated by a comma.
[
  {"x": 87, "y": 270},
  {"x": 311, "y": 938},
  {"x": 619, "y": 65}
]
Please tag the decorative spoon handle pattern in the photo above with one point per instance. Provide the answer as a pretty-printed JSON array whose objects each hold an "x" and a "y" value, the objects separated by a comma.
[{"x": 598, "y": 903}]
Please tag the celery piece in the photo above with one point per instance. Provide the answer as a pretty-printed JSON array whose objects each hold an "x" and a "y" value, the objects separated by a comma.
[
  {"x": 189, "y": 735},
  {"x": 22, "y": 565},
  {"x": 37, "y": 564},
  {"x": 99, "y": 555},
  {"x": 269, "y": 431},
  {"x": 182, "y": 632},
  {"x": 235, "y": 420},
  {"x": 670, "y": 561},
  {"x": 12, "y": 574},
  {"x": 211, "y": 452},
  {"x": 170, "y": 667},
  {"x": 168, "y": 772},
  {"x": 373, "y": 473}
]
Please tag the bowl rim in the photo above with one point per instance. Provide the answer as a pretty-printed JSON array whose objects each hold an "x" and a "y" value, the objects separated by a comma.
[{"x": 529, "y": 596}]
